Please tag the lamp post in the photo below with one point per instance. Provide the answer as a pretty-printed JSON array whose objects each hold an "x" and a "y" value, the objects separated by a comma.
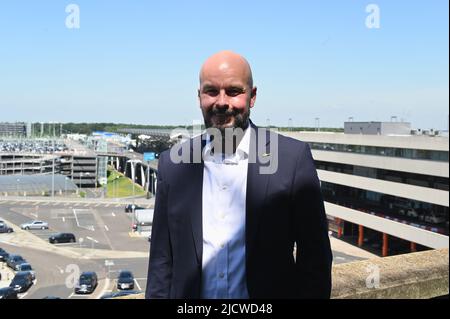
[{"x": 80, "y": 182}]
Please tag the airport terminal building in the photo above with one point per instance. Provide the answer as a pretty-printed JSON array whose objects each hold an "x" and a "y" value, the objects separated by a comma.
[{"x": 384, "y": 184}]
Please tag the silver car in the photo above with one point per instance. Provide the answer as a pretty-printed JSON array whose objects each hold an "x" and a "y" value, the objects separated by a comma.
[{"x": 35, "y": 224}]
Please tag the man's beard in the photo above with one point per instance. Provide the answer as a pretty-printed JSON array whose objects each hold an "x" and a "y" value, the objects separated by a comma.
[{"x": 241, "y": 120}]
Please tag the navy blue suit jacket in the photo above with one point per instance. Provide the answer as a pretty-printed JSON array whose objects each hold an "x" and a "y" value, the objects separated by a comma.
[{"x": 281, "y": 209}]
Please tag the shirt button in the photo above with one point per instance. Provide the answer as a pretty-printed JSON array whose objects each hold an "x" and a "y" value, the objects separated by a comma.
[
  {"x": 224, "y": 187},
  {"x": 221, "y": 275}
]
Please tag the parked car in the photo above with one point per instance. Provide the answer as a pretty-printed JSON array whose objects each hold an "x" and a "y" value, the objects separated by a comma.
[
  {"x": 26, "y": 267},
  {"x": 3, "y": 255},
  {"x": 434, "y": 219},
  {"x": 8, "y": 293},
  {"x": 4, "y": 228},
  {"x": 130, "y": 207},
  {"x": 125, "y": 280},
  {"x": 35, "y": 224},
  {"x": 22, "y": 281},
  {"x": 87, "y": 283},
  {"x": 14, "y": 260},
  {"x": 62, "y": 238}
]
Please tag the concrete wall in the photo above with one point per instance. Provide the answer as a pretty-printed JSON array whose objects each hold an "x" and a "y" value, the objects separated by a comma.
[{"x": 421, "y": 275}]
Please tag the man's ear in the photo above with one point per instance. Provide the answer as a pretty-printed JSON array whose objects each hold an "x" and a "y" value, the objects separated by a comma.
[{"x": 253, "y": 97}]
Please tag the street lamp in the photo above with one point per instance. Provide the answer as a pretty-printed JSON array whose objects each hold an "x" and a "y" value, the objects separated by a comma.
[
  {"x": 65, "y": 185},
  {"x": 83, "y": 174},
  {"x": 18, "y": 192}
]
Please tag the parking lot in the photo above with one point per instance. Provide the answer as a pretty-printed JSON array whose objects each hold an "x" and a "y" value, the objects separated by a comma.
[{"x": 104, "y": 241}]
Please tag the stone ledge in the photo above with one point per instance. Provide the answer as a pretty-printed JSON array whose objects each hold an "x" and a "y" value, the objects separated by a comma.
[
  {"x": 409, "y": 276},
  {"x": 420, "y": 275}
]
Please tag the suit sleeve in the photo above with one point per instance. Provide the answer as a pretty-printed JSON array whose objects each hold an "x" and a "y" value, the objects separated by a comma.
[
  {"x": 160, "y": 264},
  {"x": 313, "y": 256}
]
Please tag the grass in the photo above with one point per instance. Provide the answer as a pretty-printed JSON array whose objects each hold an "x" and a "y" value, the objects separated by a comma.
[{"x": 121, "y": 186}]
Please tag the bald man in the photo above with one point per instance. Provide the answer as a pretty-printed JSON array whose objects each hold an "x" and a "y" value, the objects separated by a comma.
[{"x": 224, "y": 227}]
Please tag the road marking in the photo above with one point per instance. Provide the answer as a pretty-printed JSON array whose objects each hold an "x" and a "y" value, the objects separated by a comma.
[
  {"x": 79, "y": 296},
  {"x": 106, "y": 227},
  {"x": 23, "y": 295},
  {"x": 66, "y": 204},
  {"x": 86, "y": 205},
  {"x": 90, "y": 227},
  {"x": 76, "y": 218},
  {"x": 92, "y": 239},
  {"x": 107, "y": 205},
  {"x": 104, "y": 289},
  {"x": 139, "y": 287},
  {"x": 36, "y": 203},
  {"x": 114, "y": 215},
  {"x": 64, "y": 219},
  {"x": 97, "y": 205}
]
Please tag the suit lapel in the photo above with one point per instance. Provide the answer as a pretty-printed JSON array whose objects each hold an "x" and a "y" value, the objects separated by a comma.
[
  {"x": 256, "y": 186},
  {"x": 194, "y": 173}
]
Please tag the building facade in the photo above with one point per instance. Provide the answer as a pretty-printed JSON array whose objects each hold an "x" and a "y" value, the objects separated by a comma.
[{"x": 388, "y": 191}]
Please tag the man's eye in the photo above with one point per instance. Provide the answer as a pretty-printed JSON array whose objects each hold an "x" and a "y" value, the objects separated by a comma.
[
  {"x": 234, "y": 92},
  {"x": 211, "y": 92}
]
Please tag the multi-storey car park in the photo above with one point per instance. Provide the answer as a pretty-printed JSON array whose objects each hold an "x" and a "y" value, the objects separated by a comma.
[
  {"x": 384, "y": 184},
  {"x": 30, "y": 157}
]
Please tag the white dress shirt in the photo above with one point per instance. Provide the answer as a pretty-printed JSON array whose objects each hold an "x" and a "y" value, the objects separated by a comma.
[{"x": 224, "y": 199}]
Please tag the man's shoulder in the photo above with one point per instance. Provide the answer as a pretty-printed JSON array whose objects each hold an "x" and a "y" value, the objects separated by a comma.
[{"x": 181, "y": 150}]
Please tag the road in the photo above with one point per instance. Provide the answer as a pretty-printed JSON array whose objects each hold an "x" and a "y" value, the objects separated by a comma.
[
  {"x": 98, "y": 228},
  {"x": 105, "y": 244}
]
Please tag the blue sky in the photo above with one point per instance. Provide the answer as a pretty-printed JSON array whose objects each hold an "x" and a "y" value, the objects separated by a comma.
[{"x": 138, "y": 61}]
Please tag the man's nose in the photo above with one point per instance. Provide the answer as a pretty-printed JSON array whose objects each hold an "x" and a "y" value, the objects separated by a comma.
[{"x": 222, "y": 100}]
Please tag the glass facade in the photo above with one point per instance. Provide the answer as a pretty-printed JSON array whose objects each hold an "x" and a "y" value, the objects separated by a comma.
[
  {"x": 441, "y": 156},
  {"x": 417, "y": 213},
  {"x": 434, "y": 182}
]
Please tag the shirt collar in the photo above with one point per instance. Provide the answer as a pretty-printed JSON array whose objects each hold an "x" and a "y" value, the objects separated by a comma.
[{"x": 242, "y": 150}]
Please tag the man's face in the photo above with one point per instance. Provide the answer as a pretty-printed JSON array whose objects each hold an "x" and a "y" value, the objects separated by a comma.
[{"x": 226, "y": 96}]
